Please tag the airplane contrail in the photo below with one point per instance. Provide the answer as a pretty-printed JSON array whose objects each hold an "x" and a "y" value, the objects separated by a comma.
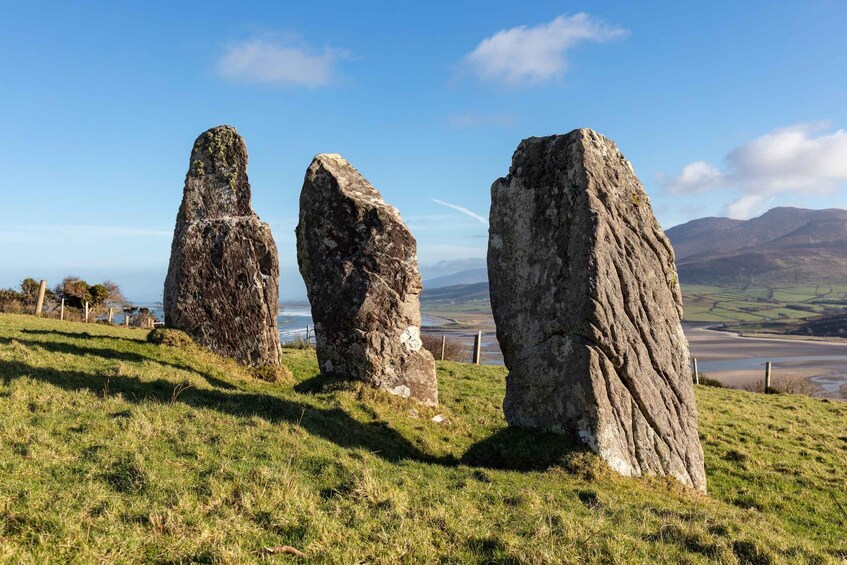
[{"x": 463, "y": 210}]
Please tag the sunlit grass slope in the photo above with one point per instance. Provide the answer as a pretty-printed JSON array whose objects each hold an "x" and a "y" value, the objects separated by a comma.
[{"x": 116, "y": 450}]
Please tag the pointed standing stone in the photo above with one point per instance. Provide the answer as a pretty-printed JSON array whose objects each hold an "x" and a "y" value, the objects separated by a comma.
[
  {"x": 585, "y": 296},
  {"x": 360, "y": 266},
  {"x": 222, "y": 286}
]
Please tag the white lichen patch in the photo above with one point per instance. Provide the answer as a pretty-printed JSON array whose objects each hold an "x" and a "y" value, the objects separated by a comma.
[
  {"x": 401, "y": 390},
  {"x": 411, "y": 339}
]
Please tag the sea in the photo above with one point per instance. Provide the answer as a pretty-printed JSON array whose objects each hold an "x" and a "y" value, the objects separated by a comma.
[
  {"x": 295, "y": 319},
  {"x": 292, "y": 320}
]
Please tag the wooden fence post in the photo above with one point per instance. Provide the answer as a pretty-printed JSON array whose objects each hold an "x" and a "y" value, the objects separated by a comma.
[
  {"x": 40, "y": 304},
  {"x": 86, "y": 311},
  {"x": 443, "y": 346},
  {"x": 477, "y": 348},
  {"x": 308, "y": 337},
  {"x": 62, "y": 310},
  {"x": 126, "y": 318},
  {"x": 696, "y": 372},
  {"x": 111, "y": 314},
  {"x": 767, "y": 376}
]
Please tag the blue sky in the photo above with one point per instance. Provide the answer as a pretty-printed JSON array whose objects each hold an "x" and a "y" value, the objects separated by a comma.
[{"x": 724, "y": 108}]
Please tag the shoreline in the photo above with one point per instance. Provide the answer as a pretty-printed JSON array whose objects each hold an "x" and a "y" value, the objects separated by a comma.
[
  {"x": 738, "y": 360},
  {"x": 812, "y": 364}
]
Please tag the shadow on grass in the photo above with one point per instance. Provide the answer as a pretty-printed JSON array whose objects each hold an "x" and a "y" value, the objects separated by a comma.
[
  {"x": 517, "y": 449},
  {"x": 142, "y": 338},
  {"x": 332, "y": 424},
  {"x": 508, "y": 449},
  {"x": 110, "y": 354},
  {"x": 321, "y": 384}
]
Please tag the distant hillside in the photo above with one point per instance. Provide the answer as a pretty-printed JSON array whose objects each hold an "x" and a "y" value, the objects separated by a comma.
[
  {"x": 459, "y": 293},
  {"x": 469, "y": 276},
  {"x": 828, "y": 326},
  {"x": 784, "y": 246}
]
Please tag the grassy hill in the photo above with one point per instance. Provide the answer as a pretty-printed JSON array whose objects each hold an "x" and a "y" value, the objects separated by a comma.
[
  {"x": 761, "y": 307},
  {"x": 116, "y": 450}
]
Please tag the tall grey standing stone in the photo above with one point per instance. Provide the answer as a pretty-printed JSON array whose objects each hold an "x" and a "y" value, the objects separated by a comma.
[
  {"x": 222, "y": 286},
  {"x": 587, "y": 305},
  {"x": 360, "y": 266}
]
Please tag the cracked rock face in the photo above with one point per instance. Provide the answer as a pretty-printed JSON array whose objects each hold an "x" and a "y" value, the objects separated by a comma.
[
  {"x": 222, "y": 286},
  {"x": 587, "y": 304},
  {"x": 360, "y": 266}
]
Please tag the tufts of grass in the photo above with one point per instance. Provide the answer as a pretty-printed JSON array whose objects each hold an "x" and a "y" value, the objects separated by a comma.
[
  {"x": 113, "y": 449},
  {"x": 170, "y": 337},
  {"x": 272, "y": 373}
]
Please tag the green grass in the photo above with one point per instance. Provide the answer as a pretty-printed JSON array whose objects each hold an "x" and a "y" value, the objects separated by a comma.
[
  {"x": 752, "y": 306},
  {"x": 116, "y": 450}
]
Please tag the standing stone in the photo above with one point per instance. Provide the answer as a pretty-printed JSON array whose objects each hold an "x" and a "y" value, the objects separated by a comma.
[
  {"x": 360, "y": 266},
  {"x": 587, "y": 304},
  {"x": 222, "y": 286}
]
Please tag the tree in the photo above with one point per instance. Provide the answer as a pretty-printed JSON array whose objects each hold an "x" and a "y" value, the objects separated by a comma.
[
  {"x": 74, "y": 290},
  {"x": 116, "y": 298},
  {"x": 98, "y": 293},
  {"x": 100, "y": 297},
  {"x": 29, "y": 290}
]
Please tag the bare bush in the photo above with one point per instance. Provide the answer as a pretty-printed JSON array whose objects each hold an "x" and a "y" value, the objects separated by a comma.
[
  {"x": 453, "y": 349},
  {"x": 786, "y": 384},
  {"x": 757, "y": 386},
  {"x": 794, "y": 384}
]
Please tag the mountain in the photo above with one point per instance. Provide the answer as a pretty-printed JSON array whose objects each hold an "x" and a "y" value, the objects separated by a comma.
[
  {"x": 468, "y": 276},
  {"x": 456, "y": 294},
  {"x": 783, "y": 246}
]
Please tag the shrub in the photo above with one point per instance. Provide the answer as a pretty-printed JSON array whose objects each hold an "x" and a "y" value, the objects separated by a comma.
[
  {"x": 453, "y": 349},
  {"x": 170, "y": 337},
  {"x": 299, "y": 342},
  {"x": 139, "y": 317},
  {"x": 706, "y": 381},
  {"x": 271, "y": 373}
]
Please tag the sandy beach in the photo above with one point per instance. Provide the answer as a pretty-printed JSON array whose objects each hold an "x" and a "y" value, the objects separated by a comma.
[
  {"x": 733, "y": 359},
  {"x": 739, "y": 361}
]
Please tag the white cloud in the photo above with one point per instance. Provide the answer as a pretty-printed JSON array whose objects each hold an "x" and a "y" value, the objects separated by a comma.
[
  {"x": 796, "y": 160},
  {"x": 526, "y": 55},
  {"x": 267, "y": 61},
  {"x": 694, "y": 177},
  {"x": 463, "y": 210},
  {"x": 471, "y": 120},
  {"x": 746, "y": 207},
  {"x": 792, "y": 159}
]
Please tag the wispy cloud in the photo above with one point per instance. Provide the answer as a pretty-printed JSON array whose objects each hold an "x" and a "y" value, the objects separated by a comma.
[
  {"x": 470, "y": 120},
  {"x": 463, "y": 210},
  {"x": 796, "y": 160},
  {"x": 272, "y": 61},
  {"x": 531, "y": 55}
]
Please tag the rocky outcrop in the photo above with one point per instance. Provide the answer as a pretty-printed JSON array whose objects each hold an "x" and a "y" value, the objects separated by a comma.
[
  {"x": 359, "y": 263},
  {"x": 585, "y": 296},
  {"x": 222, "y": 286}
]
